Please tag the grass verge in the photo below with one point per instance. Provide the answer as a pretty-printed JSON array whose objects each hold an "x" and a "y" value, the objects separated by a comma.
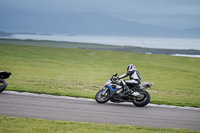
[
  {"x": 28, "y": 125},
  {"x": 81, "y": 73}
]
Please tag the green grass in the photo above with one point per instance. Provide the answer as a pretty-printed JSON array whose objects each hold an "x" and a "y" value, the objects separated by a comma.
[
  {"x": 81, "y": 73},
  {"x": 25, "y": 125}
]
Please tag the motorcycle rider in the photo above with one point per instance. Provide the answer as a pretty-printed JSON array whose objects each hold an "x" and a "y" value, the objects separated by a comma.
[{"x": 133, "y": 81}]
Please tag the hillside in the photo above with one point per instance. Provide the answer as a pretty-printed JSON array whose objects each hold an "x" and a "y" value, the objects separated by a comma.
[
  {"x": 4, "y": 34},
  {"x": 102, "y": 24},
  {"x": 92, "y": 23}
]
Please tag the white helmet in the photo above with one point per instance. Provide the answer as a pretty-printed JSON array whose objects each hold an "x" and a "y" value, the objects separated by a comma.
[{"x": 131, "y": 67}]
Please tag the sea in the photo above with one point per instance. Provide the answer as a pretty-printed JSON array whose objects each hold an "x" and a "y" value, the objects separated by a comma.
[{"x": 146, "y": 42}]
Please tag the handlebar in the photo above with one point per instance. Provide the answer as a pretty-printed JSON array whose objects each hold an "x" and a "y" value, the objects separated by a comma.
[{"x": 112, "y": 78}]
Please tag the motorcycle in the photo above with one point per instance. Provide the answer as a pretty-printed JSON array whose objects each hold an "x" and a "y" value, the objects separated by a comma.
[
  {"x": 3, "y": 84},
  {"x": 113, "y": 91}
]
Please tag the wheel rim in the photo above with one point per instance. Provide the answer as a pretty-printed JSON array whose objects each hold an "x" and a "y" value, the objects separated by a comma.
[
  {"x": 102, "y": 97},
  {"x": 141, "y": 97}
]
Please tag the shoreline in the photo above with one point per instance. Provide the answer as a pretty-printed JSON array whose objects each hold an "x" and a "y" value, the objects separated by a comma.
[
  {"x": 96, "y": 46},
  {"x": 134, "y": 41}
]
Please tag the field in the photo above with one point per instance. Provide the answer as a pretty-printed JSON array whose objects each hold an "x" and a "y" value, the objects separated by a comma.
[
  {"x": 24, "y": 125},
  {"x": 82, "y": 72}
]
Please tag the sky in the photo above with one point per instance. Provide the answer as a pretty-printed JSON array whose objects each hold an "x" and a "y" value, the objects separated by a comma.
[{"x": 27, "y": 15}]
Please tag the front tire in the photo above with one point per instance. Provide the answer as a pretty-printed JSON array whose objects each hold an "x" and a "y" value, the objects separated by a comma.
[
  {"x": 142, "y": 100},
  {"x": 102, "y": 98},
  {"x": 3, "y": 85}
]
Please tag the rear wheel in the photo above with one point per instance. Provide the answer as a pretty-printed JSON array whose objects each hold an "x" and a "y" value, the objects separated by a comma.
[
  {"x": 102, "y": 98},
  {"x": 142, "y": 100},
  {"x": 3, "y": 85}
]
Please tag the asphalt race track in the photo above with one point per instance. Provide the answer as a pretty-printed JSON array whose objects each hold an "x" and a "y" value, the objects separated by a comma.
[{"x": 29, "y": 105}]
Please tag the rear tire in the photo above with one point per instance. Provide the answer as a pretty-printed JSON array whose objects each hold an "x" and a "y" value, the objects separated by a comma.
[
  {"x": 102, "y": 98},
  {"x": 3, "y": 85},
  {"x": 142, "y": 100}
]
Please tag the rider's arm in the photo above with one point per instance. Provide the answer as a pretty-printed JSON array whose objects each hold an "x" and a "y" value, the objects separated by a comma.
[{"x": 125, "y": 75}]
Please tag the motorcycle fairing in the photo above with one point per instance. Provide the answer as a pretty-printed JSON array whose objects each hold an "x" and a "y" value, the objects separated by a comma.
[{"x": 110, "y": 87}]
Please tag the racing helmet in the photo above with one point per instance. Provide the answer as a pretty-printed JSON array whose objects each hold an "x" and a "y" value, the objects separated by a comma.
[{"x": 130, "y": 67}]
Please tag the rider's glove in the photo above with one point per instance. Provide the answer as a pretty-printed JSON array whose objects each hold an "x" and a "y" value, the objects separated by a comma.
[{"x": 116, "y": 78}]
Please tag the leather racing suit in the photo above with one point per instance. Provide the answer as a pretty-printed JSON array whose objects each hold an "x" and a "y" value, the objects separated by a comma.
[{"x": 133, "y": 81}]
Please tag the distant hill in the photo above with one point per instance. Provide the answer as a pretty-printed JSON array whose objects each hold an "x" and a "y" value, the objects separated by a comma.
[
  {"x": 102, "y": 24},
  {"x": 4, "y": 34},
  {"x": 92, "y": 23}
]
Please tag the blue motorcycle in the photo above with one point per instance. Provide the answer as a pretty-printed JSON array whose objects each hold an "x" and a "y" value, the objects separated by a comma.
[{"x": 113, "y": 91}]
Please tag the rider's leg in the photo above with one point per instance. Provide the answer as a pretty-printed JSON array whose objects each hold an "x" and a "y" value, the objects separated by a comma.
[
  {"x": 124, "y": 85},
  {"x": 131, "y": 83}
]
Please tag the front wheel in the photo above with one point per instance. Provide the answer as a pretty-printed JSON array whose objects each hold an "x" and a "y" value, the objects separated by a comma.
[
  {"x": 142, "y": 100},
  {"x": 3, "y": 85},
  {"x": 102, "y": 98}
]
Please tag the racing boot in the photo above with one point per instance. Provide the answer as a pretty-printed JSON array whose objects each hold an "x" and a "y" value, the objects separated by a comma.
[{"x": 127, "y": 89}]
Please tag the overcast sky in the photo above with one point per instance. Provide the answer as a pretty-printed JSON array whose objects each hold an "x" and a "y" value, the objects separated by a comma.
[
  {"x": 172, "y": 7},
  {"x": 177, "y": 14}
]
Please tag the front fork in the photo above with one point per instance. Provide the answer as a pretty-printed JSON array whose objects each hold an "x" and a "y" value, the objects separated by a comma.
[{"x": 104, "y": 91}]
